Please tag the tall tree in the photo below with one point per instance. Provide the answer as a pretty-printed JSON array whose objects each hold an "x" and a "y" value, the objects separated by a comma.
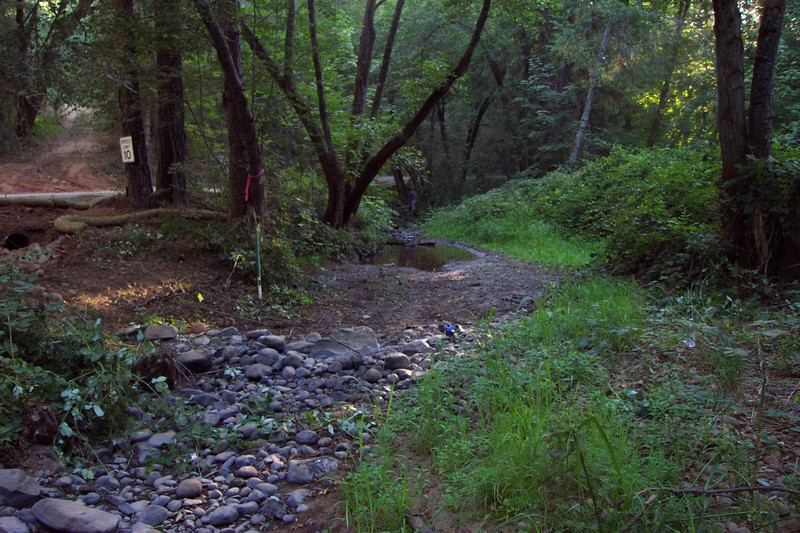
[
  {"x": 40, "y": 37},
  {"x": 752, "y": 230},
  {"x": 577, "y": 147},
  {"x": 139, "y": 185},
  {"x": 171, "y": 134},
  {"x": 344, "y": 197},
  {"x": 245, "y": 183}
]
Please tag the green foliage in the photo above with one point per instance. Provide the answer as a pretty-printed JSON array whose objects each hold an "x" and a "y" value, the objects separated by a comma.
[
  {"x": 376, "y": 495},
  {"x": 47, "y": 361},
  {"x": 291, "y": 239},
  {"x": 504, "y": 221},
  {"x": 654, "y": 209},
  {"x": 524, "y": 432},
  {"x": 602, "y": 315}
]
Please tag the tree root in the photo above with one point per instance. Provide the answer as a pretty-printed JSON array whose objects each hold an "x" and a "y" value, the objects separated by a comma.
[
  {"x": 76, "y": 223},
  {"x": 63, "y": 203}
]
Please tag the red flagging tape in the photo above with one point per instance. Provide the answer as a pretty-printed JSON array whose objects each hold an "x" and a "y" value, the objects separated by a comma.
[{"x": 247, "y": 185}]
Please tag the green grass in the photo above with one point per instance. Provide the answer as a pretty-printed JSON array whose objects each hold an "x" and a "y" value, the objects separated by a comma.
[
  {"x": 514, "y": 232},
  {"x": 562, "y": 418}
]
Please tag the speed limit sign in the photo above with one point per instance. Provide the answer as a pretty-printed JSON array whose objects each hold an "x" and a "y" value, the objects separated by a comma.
[{"x": 126, "y": 148}]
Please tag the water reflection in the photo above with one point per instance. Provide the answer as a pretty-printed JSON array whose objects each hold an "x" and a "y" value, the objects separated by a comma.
[{"x": 428, "y": 258}]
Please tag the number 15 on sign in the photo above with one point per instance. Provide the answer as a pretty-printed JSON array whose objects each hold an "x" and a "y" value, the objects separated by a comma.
[{"x": 126, "y": 148}]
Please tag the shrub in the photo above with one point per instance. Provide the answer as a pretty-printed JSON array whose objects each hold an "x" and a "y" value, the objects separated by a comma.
[
  {"x": 50, "y": 365},
  {"x": 655, "y": 209}
]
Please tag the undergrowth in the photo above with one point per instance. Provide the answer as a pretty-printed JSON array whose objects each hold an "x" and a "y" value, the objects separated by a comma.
[
  {"x": 60, "y": 381},
  {"x": 573, "y": 416}
]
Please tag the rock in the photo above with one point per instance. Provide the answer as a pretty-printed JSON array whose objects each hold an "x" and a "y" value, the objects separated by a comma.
[
  {"x": 372, "y": 375},
  {"x": 160, "y": 332},
  {"x": 222, "y": 333},
  {"x": 417, "y": 346},
  {"x": 139, "y": 527},
  {"x": 72, "y": 517},
  {"x": 257, "y": 371},
  {"x": 348, "y": 361},
  {"x": 306, "y": 437},
  {"x": 267, "y": 356},
  {"x": 396, "y": 360},
  {"x": 273, "y": 508},
  {"x": 328, "y": 348},
  {"x": 162, "y": 439},
  {"x": 299, "y": 346},
  {"x": 223, "y": 516},
  {"x": 197, "y": 361},
  {"x": 256, "y": 334},
  {"x": 247, "y": 472},
  {"x": 18, "y": 489},
  {"x": 276, "y": 342},
  {"x": 301, "y": 472},
  {"x": 358, "y": 339},
  {"x": 296, "y": 498},
  {"x": 292, "y": 359},
  {"x": 153, "y": 515},
  {"x": 12, "y": 524},
  {"x": 189, "y": 488},
  {"x": 105, "y": 484}
]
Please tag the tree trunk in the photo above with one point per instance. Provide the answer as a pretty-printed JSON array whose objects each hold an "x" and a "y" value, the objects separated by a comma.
[
  {"x": 655, "y": 126},
  {"x": 587, "y": 108},
  {"x": 731, "y": 123},
  {"x": 139, "y": 185},
  {"x": 383, "y": 74},
  {"x": 246, "y": 189},
  {"x": 753, "y": 229},
  {"x": 344, "y": 201},
  {"x": 171, "y": 135},
  {"x": 334, "y": 177},
  {"x": 762, "y": 87},
  {"x": 498, "y": 75},
  {"x": 400, "y": 183},
  {"x": 366, "y": 47},
  {"x": 472, "y": 136},
  {"x": 30, "y": 92}
]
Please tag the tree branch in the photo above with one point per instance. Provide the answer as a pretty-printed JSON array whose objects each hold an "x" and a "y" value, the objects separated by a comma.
[
  {"x": 375, "y": 163},
  {"x": 288, "y": 43},
  {"x": 321, "y": 103},
  {"x": 387, "y": 57}
]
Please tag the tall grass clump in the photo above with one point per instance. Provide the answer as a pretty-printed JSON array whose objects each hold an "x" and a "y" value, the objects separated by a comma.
[
  {"x": 376, "y": 495},
  {"x": 502, "y": 221},
  {"x": 601, "y": 314}
]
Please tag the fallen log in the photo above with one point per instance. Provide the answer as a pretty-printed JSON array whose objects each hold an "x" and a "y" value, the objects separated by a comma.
[{"x": 77, "y": 223}]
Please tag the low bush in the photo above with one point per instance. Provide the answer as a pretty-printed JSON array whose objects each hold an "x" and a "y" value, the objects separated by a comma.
[
  {"x": 61, "y": 373},
  {"x": 655, "y": 209}
]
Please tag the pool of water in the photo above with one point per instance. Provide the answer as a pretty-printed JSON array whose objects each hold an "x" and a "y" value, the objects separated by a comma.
[{"x": 428, "y": 258}]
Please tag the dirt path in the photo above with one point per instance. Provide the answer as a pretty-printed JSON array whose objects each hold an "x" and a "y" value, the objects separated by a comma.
[{"x": 78, "y": 158}]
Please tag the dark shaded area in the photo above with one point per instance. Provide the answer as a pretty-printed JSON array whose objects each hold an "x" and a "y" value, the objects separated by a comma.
[{"x": 15, "y": 241}]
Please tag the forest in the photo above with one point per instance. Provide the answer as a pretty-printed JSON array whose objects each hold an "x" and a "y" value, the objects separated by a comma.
[{"x": 621, "y": 356}]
